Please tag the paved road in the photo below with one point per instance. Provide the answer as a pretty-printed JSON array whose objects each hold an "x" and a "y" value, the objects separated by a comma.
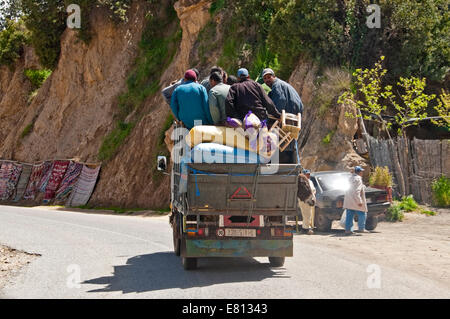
[{"x": 131, "y": 257}]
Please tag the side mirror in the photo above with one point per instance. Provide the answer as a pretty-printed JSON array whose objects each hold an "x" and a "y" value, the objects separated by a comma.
[{"x": 162, "y": 163}]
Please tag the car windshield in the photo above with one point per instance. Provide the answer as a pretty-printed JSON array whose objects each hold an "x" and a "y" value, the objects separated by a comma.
[{"x": 336, "y": 181}]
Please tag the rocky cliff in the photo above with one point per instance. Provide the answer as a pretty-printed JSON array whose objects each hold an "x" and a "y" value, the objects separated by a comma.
[{"x": 77, "y": 106}]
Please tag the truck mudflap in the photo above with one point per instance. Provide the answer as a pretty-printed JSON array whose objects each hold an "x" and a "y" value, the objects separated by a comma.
[{"x": 238, "y": 248}]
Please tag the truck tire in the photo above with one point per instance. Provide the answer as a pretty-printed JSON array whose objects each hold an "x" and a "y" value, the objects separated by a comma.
[
  {"x": 276, "y": 261},
  {"x": 189, "y": 263},
  {"x": 322, "y": 222},
  {"x": 371, "y": 222},
  {"x": 176, "y": 236}
]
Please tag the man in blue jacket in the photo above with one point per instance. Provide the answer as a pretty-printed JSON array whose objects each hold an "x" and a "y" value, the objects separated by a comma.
[
  {"x": 285, "y": 97},
  {"x": 282, "y": 94},
  {"x": 189, "y": 102}
]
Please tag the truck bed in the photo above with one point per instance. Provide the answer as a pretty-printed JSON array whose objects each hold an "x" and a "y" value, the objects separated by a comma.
[{"x": 240, "y": 189}]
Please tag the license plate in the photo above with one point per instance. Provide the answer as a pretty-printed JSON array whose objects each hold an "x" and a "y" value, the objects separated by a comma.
[{"x": 234, "y": 232}]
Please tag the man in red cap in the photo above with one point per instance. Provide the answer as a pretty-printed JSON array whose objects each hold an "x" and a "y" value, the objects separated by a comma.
[{"x": 189, "y": 102}]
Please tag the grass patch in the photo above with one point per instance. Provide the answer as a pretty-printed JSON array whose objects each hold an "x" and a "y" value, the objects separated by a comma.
[
  {"x": 327, "y": 139},
  {"x": 113, "y": 140},
  {"x": 441, "y": 191},
  {"x": 37, "y": 77},
  {"x": 115, "y": 209},
  {"x": 27, "y": 130}
]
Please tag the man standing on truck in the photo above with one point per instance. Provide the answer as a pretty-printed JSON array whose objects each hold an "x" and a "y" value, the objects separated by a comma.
[
  {"x": 285, "y": 97},
  {"x": 168, "y": 91},
  {"x": 189, "y": 102},
  {"x": 217, "y": 96},
  {"x": 355, "y": 202},
  {"x": 248, "y": 95},
  {"x": 306, "y": 201}
]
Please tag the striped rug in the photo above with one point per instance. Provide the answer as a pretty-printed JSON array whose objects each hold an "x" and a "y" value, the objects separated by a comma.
[
  {"x": 11, "y": 184},
  {"x": 84, "y": 187},
  {"x": 23, "y": 181},
  {"x": 58, "y": 171},
  {"x": 34, "y": 181},
  {"x": 46, "y": 173},
  {"x": 5, "y": 174},
  {"x": 69, "y": 180}
]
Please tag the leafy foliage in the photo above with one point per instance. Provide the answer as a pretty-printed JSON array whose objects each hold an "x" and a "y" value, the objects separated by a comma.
[
  {"x": 395, "y": 213},
  {"x": 37, "y": 77},
  {"x": 372, "y": 97},
  {"x": 12, "y": 39},
  {"x": 408, "y": 204},
  {"x": 441, "y": 191}
]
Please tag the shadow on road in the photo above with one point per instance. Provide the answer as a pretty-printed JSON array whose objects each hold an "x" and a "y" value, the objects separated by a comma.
[{"x": 163, "y": 270}]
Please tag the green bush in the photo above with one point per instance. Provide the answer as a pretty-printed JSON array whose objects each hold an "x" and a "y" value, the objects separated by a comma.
[
  {"x": 27, "y": 130},
  {"x": 413, "y": 37},
  {"x": 12, "y": 39},
  {"x": 441, "y": 191},
  {"x": 395, "y": 213},
  {"x": 37, "y": 77},
  {"x": 408, "y": 204}
]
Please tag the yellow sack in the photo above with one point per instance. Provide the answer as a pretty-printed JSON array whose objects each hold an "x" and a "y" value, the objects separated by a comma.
[{"x": 233, "y": 137}]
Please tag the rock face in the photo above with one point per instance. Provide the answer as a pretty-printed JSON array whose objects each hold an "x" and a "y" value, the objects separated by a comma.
[
  {"x": 129, "y": 178},
  {"x": 317, "y": 155},
  {"x": 77, "y": 106},
  {"x": 74, "y": 108}
]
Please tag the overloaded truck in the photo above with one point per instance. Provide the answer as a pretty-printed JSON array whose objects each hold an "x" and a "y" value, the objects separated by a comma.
[{"x": 232, "y": 209}]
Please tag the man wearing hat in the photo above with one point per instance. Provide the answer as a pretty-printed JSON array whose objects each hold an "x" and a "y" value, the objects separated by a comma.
[
  {"x": 285, "y": 98},
  {"x": 355, "y": 202},
  {"x": 282, "y": 93},
  {"x": 189, "y": 102},
  {"x": 248, "y": 95},
  {"x": 307, "y": 205},
  {"x": 168, "y": 91}
]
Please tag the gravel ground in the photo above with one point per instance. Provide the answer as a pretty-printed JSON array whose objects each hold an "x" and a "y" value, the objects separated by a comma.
[
  {"x": 11, "y": 262},
  {"x": 420, "y": 244}
]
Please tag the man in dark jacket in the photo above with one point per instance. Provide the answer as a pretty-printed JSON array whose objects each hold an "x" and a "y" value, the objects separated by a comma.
[{"x": 248, "y": 95}]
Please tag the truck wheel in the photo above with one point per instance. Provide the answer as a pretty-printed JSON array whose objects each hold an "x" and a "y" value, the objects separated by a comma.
[
  {"x": 371, "y": 222},
  {"x": 176, "y": 237},
  {"x": 276, "y": 261},
  {"x": 322, "y": 222},
  {"x": 189, "y": 263}
]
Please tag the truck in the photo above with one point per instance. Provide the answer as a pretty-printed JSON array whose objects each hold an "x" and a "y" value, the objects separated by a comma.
[{"x": 233, "y": 210}]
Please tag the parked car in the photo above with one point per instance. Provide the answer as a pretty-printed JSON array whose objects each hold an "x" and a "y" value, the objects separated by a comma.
[{"x": 331, "y": 187}]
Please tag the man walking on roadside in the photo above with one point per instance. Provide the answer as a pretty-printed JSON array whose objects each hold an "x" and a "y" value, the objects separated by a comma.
[{"x": 355, "y": 202}]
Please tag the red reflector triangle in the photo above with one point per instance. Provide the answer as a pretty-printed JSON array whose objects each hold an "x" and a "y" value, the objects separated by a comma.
[{"x": 241, "y": 192}]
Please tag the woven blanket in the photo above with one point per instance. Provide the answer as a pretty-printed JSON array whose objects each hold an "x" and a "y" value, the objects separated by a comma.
[
  {"x": 46, "y": 173},
  {"x": 33, "y": 183},
  {"x": 84, "y": 187},
  {"x": 23, "y": 181},
  {"x": 56, "y": 176},
  {"x": 5, "y": 174},
  {"x": 11, "y": 184},
  {"x": 69, "y": 180}
]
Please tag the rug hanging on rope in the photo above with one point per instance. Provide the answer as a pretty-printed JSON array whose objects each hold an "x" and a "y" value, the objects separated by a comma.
[
  {"x": 23, "y": 181},
  {"x": 56, "y": 176},
  {"x": 46, "y": 173},
  {"x": 84, "y": 187},
  {"x": 34, "y": 181},
  {"x": 5, "y": 174},
  {"x": 11, "y": 184},
  {"x": 70, "y": 178}
]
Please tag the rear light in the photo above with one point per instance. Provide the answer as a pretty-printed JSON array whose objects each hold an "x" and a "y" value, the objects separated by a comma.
[
  {"x": 200, "y": 232},
  {"x": 191, "y": 232},
  {"x": 281, "y": 232},
  {"x": 258, "y": 232}
]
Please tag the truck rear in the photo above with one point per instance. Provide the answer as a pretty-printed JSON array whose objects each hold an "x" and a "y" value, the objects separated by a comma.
[{"x": 233, "y": 210}]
